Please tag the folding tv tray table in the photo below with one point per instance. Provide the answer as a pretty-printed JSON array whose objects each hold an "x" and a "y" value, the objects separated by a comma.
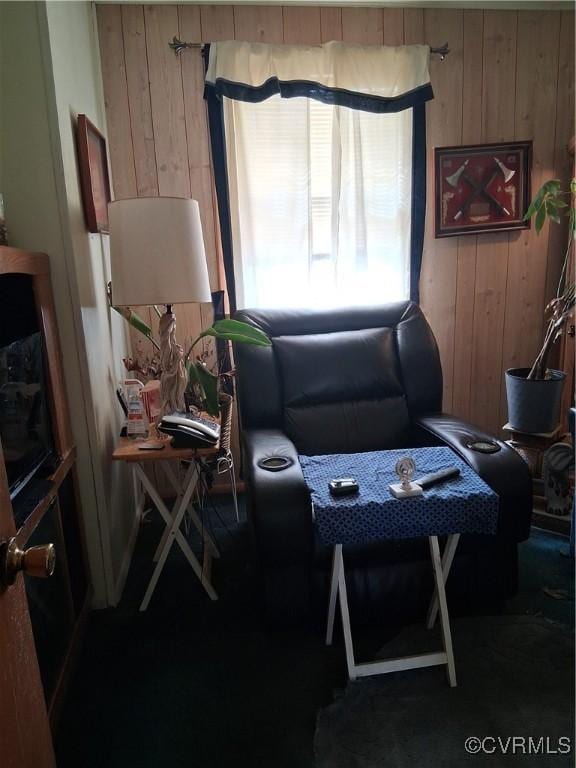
[
  {"x": 184, "y": 485},
  {"x": 464, "y": 505}
]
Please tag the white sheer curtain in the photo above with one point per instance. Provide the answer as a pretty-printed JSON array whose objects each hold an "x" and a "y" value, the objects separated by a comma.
[{"x": 320, "y": 200}]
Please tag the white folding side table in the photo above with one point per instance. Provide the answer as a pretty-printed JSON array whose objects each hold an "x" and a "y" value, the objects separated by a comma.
[
  {"x": 184, "y": 486},
  {"x": 441, "y": 570},
  {"x": 464, "y": 505}
]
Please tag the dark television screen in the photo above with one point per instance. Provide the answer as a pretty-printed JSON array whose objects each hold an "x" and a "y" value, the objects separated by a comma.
[{"x": 25, "y": 426}]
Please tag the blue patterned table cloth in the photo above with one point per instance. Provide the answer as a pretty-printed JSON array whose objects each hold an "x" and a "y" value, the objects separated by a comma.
[{"x": 464, "y": 505}]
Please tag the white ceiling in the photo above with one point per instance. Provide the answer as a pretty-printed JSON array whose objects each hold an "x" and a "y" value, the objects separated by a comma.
[{"x": 500, "y": 4}]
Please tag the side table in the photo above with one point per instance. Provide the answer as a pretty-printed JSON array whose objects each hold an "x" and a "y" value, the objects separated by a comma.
[
  {"x": 136, "y": 455},
  {"x": 532, "y": 447},
  {"x": 355, "y": 670},
  {"x": 464, "y": 505}
]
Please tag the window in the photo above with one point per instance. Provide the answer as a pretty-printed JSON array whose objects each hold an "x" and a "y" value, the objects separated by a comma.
[
  {"x": 320, "y": 199},
  {"x": 321, "y": 206}
]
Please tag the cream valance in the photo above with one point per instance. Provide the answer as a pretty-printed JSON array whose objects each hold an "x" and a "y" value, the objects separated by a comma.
[{"x": 373, "y": 78}]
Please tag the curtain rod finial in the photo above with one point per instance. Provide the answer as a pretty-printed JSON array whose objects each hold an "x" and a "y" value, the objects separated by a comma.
[
  {"x": 178, "y": 46},
  {"x": 441, "y": 51}
]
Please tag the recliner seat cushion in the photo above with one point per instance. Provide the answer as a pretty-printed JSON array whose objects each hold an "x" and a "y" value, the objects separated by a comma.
[{"x": 348, "y": 427}]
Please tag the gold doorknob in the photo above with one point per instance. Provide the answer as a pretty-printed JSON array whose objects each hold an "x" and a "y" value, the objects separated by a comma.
[{"x": 36, "y": 561}]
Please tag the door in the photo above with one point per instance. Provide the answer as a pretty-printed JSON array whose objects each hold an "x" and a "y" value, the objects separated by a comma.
[{"x": 25, "y": 738}]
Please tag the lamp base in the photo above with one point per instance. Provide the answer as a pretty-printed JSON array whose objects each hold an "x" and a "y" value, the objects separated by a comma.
[
  {"x": 174, "y": 379},
  {"x": 401, "y": 492}
]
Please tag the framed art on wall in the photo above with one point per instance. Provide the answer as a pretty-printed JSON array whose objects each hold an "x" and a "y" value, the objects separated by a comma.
[
  {"x": 93, "y": 168},
  {"x": 482, "y": 188}
]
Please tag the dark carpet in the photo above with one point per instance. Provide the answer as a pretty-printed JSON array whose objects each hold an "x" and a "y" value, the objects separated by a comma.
[
  {"x": 515, "y": 679},
  {"x": 205, "y": 684}
]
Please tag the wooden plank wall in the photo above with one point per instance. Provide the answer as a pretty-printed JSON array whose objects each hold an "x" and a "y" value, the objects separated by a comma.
[{"x": 510, "y": 75}]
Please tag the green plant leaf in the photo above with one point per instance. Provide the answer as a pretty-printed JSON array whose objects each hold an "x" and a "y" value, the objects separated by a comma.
[
  {"x": 539, "y": 195},
  {"x": 209, "y": 383},
  {"x": 134, "y": 319},
  {"x": 192, "y": 374},
  {"x": 243, "y": 329},
  {"x": 551, "y": 212},
  {"x": 548, "y": 196},
  {"x": 553, "y": 186},
  {"x": 533, "y": 208},
  {"x": 139, "y": 324},
  {"x": 235, "y": 330},
  {"x": 540, "y": 219}
]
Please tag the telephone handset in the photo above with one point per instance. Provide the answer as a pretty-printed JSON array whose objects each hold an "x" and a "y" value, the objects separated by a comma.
[{"x": 188, "y": 430}]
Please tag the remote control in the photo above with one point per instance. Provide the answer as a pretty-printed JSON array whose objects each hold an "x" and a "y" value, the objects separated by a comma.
[{"x": 434, "y": 478}]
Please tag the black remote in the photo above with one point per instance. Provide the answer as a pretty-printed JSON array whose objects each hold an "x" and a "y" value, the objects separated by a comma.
[
  {"x": 343, "y": 486},
  {"x": 434, "y": 478}
]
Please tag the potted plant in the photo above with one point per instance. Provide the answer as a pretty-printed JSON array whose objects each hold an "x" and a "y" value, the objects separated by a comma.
[
  {"x": 534, "y": 394},
  {"x": 204, "y": 388}
]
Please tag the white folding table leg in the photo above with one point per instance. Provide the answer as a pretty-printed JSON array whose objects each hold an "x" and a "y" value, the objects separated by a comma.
[
  {"x": 174, "y": 533},
  {"x": 202, "y": 530},
  {"x": 139, "y": 496},
  {"x": 156, "y": 575},
  {"x": 447, "y": 558},
  {"x": 171, "y": 522},
  {"x": 172, "y": 477},
  {"x": 177, "y": 485},
  {"x": 189, "y": 485},
  {"x": 343, "y": 597},
  {"x": 444, "y": 619},
  {"x": 399, "y": 663},
  {"x": 333, "y": 596}
]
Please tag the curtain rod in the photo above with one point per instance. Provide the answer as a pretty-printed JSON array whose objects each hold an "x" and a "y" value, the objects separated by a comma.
[{"x": 179, "y": 46}]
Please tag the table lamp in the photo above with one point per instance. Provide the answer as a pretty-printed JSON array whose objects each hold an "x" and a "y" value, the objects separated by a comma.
[{"x": 157, "y": 257}]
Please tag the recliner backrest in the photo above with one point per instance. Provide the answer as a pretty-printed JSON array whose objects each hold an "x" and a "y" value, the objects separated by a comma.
[{"x": 342, "y": 380}]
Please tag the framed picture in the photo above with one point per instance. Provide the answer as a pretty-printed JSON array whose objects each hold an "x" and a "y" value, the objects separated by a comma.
[
  {"x": 482, "y": 188},
  {"x": 93, "y": 167}
]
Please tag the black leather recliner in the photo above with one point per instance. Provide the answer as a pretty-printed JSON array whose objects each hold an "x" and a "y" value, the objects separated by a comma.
[{"x": 346, "y": 381}]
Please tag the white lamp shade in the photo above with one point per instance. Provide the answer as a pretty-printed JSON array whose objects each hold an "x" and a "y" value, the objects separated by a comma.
[{"x": 157, "y": 252}]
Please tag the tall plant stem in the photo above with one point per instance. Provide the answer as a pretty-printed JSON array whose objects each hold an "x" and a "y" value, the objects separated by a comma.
[
  {"x": 187, "y": 355},
  {"x": 553, "y": 332},
  {"x": 538, "y": 370},
  {"x": 563, "y": 275}
]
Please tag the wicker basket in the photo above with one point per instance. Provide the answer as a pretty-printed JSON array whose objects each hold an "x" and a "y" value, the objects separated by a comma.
[{"x": 226, "y": 402}]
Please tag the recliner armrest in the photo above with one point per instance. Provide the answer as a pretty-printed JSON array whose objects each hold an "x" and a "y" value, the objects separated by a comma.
[
  {"x": 505, "y": 472},
  {"x": 280, "y": 501}
]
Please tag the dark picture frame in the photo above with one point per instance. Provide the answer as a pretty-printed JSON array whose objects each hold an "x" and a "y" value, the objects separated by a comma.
[
  {"x": 94, "y": 179},
  {"x": 482, "y": 188}
]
